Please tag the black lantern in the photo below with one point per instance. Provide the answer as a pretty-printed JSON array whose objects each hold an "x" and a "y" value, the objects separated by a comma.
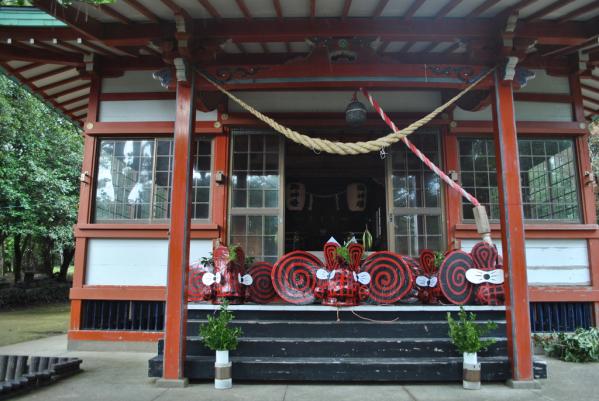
[{"x": 355, "y": 112}]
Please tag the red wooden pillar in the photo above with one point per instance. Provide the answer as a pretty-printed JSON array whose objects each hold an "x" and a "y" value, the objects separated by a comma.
[
  {"x": 178, "y": 247},
  {"x": 512, "y": 233}
]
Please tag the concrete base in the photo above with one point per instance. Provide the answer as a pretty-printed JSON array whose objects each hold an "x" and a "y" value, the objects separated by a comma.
[
  {"x": 523, "y": 384},
  {"x": 172, "y": 383},
  {"x": 112, "y": 346}
]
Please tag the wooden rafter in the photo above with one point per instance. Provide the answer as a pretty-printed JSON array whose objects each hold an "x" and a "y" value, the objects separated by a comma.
[
  {"x": 49, "y": 47},
  {"x": 69, "y": 46},
  {"x": 312, "y": 8},
  {"x": 517, "y": 7},
  {"x": 264, "y": 47},
  {"x": 70, "y": 90},
  {"x": 382, "y": 47},
  {"x": 455, "y": 46},
  {"x": 28, "y": 67},
  {"x": 95, "y": 48},
  {"x": 346, "y": 7},
  {"x": 31, "y": 87},
  {"x": 380, "y": 6},
  {"x": 413, "y": 9},
  {"x": 74, "y": 100},
  {"x": 287, "y": 47},
  {"x": 78, "y": 109},
  {"x": 175, "y": 8},
  {"x": 579, "y": 11},
  {"x": 548, "y": 9},
  {"x": 57, "y": 71},
  {"x": 8, "y": 52},
  {"x": 482, "y": 8},
  {"x": 66, "y": 81},
  {"x": 114, "y": 14},
  {"x": 277, "y": 5},
  {"x": 406, "y": 47},
  {"x": 429, "y": 47},
  {"x": 143, "y": 10},
  {"x": 244, "y": 9},
  {"x": 210, "y": 8},
  {"x": 446, "y": 9},
  {"x": 84, "y": 24}
]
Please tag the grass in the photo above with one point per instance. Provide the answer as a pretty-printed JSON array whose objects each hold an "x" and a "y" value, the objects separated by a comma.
[{"x": 32, "y": 323}]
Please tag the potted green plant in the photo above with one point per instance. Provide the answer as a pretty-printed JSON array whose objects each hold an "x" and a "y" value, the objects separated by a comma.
[
  {"x": 219, "y": 336},
  {"x": 466, "y": 335}
]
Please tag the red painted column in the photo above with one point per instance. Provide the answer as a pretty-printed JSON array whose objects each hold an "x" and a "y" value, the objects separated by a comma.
[
  {"x": 178, "y": 248},
  {"x": 512, "y": 232}
]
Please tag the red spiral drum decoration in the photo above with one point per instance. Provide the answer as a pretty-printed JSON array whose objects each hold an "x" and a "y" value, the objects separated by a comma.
[
  {"x": 391, "y": 278},
  {"x": 427, "y": 261},
  {"x": 196, "y": 290},
  {"x": 294, "y": 277},
  {"x": 452, "y": 277},
  {"x": 484, "y": 256},
  {"x": 261, "y": 291}
]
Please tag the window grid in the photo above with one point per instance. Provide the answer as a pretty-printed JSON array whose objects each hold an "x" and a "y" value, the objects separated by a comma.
[
  {"x": 255, "y": 182},
  {"x": 548, "y": 178},
  {"x": 134, "y": 180},
  {"x": 416, "y": 197}
]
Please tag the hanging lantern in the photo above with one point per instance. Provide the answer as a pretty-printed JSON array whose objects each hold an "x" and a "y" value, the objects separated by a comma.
[{"x": 355, "y": 112}]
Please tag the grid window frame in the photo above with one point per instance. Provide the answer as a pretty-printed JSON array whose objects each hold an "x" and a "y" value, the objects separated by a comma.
[
  {"x": 159, "y": 205},
  {"x": 536, "y": 180}
]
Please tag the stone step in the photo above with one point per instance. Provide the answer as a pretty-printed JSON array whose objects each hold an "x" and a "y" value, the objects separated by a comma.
[
  {"x": 270, "y": 347},
  {"x": 340, "y": 369},
  {"x": 344, "y": 328}
]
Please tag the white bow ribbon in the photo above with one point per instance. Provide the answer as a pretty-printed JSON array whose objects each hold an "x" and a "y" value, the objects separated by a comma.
[
  {"x": 477, "y": 276},
  {"x": 246, "y": 279},
  {"x": 208, "y": 278},
  {"x": 362, "y": 277},
  {"x": 323, "y": 274},
  {"x": 423, "y": 281}
]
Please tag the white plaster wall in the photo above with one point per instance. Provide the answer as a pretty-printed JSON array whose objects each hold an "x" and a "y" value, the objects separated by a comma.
[
  {"x": 544, "y": 83},
  {"x": 139, "y": 262},
  {"x": 525, "y": 111},
  {"x": 145, "y": 110},
  {"x": 552, "y": 261},
  {"x": 132, "y": 82},
  {"x": 336, "y": 101}
]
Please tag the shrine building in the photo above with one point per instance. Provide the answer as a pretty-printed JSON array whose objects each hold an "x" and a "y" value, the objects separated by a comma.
[{"x": 232, "y": 148}]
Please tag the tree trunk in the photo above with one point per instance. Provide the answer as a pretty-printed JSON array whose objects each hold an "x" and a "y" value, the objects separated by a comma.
[
  {"x": 2, "y": 272},
  {"x": 17, "y": 257},
  {"x": 67, "y": 257},
  {"x": 47, "y": 258}
]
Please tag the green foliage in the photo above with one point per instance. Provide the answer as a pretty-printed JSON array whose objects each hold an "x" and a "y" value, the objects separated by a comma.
[
  {"x": 233, "y": 252},
  {"x": 580, "y": 346},
  {"x": 594, "y": 147},
  {"x": 466, "y": 334},
  {"x": 217, "y": 334},
  {"x": 439, "y": 257},
  {"x": 44, "y": 292},
  {"x": 207, "y": 261},
  {"x": 343, "y": 252}
]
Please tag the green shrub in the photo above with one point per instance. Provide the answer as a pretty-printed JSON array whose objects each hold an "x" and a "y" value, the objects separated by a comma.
[
  {"x": 580, "y": 346},
  {"x": 466, "y": 334},
  {"x": 42, "y": 292},
  {"x": 217, "y": 334}
]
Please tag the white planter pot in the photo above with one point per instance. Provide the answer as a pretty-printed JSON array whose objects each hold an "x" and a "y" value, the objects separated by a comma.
[
  {"x": 469, "y": 358},
  {"x": 222, "y": 357},
  {"x": 222, "y": 371}
]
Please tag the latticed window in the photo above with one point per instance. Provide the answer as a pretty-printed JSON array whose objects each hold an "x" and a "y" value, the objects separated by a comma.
[
  {"x": 134, "y": 180},
  {"x": 547, "y": 173}
]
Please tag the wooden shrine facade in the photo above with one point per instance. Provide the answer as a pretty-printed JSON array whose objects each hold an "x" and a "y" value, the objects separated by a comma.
[{"x": 131, "y": 74}]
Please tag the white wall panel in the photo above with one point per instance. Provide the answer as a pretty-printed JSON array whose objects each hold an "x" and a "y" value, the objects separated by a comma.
[
  {"x": 145, "y": 110},
  {"x": 544, "y": 83},
  {"x": 136, "y": 262},
  {"x": 525, "y": 111},
  {"x": 132, "y": 82},
  {"x": 552, "y": 261},
  {"x": 336, "y": 101}
]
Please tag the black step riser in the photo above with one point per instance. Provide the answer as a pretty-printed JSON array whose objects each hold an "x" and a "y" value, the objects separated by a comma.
[
  {"x": 332, "y": 372},
  {"x": 344, "y": 330},
  {"x": 345, "y": 349},
  {"x": 345, "y": 315}
]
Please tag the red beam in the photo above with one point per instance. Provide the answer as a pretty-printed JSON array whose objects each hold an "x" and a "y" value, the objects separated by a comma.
[
  {"x": 579, "y": 11},
  {"x": 48, "y": 74},
  {"x": 277, "y": 5},
  {"x": 78, "y": 109},
  {"x": 346, "y": 7},
  {"x": 60, "y": 83},
  {"x": 140, "y": 8},
  {"x": 413, "y": 9},
  {"x": 210, "y": 8},
  {"x": 8, "y": 52},
  {"x": 482, "y": 8},
  {"x": 71, "y": 90},
  {"x": 548, "y": 10},
  {"x": 27, "y": 67},
  {"x": 75, "y": 100},
  {"x": 447, "y": 8},
  {"x": 244, "y": 9},
  {"x": 380, "y": 6}
]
